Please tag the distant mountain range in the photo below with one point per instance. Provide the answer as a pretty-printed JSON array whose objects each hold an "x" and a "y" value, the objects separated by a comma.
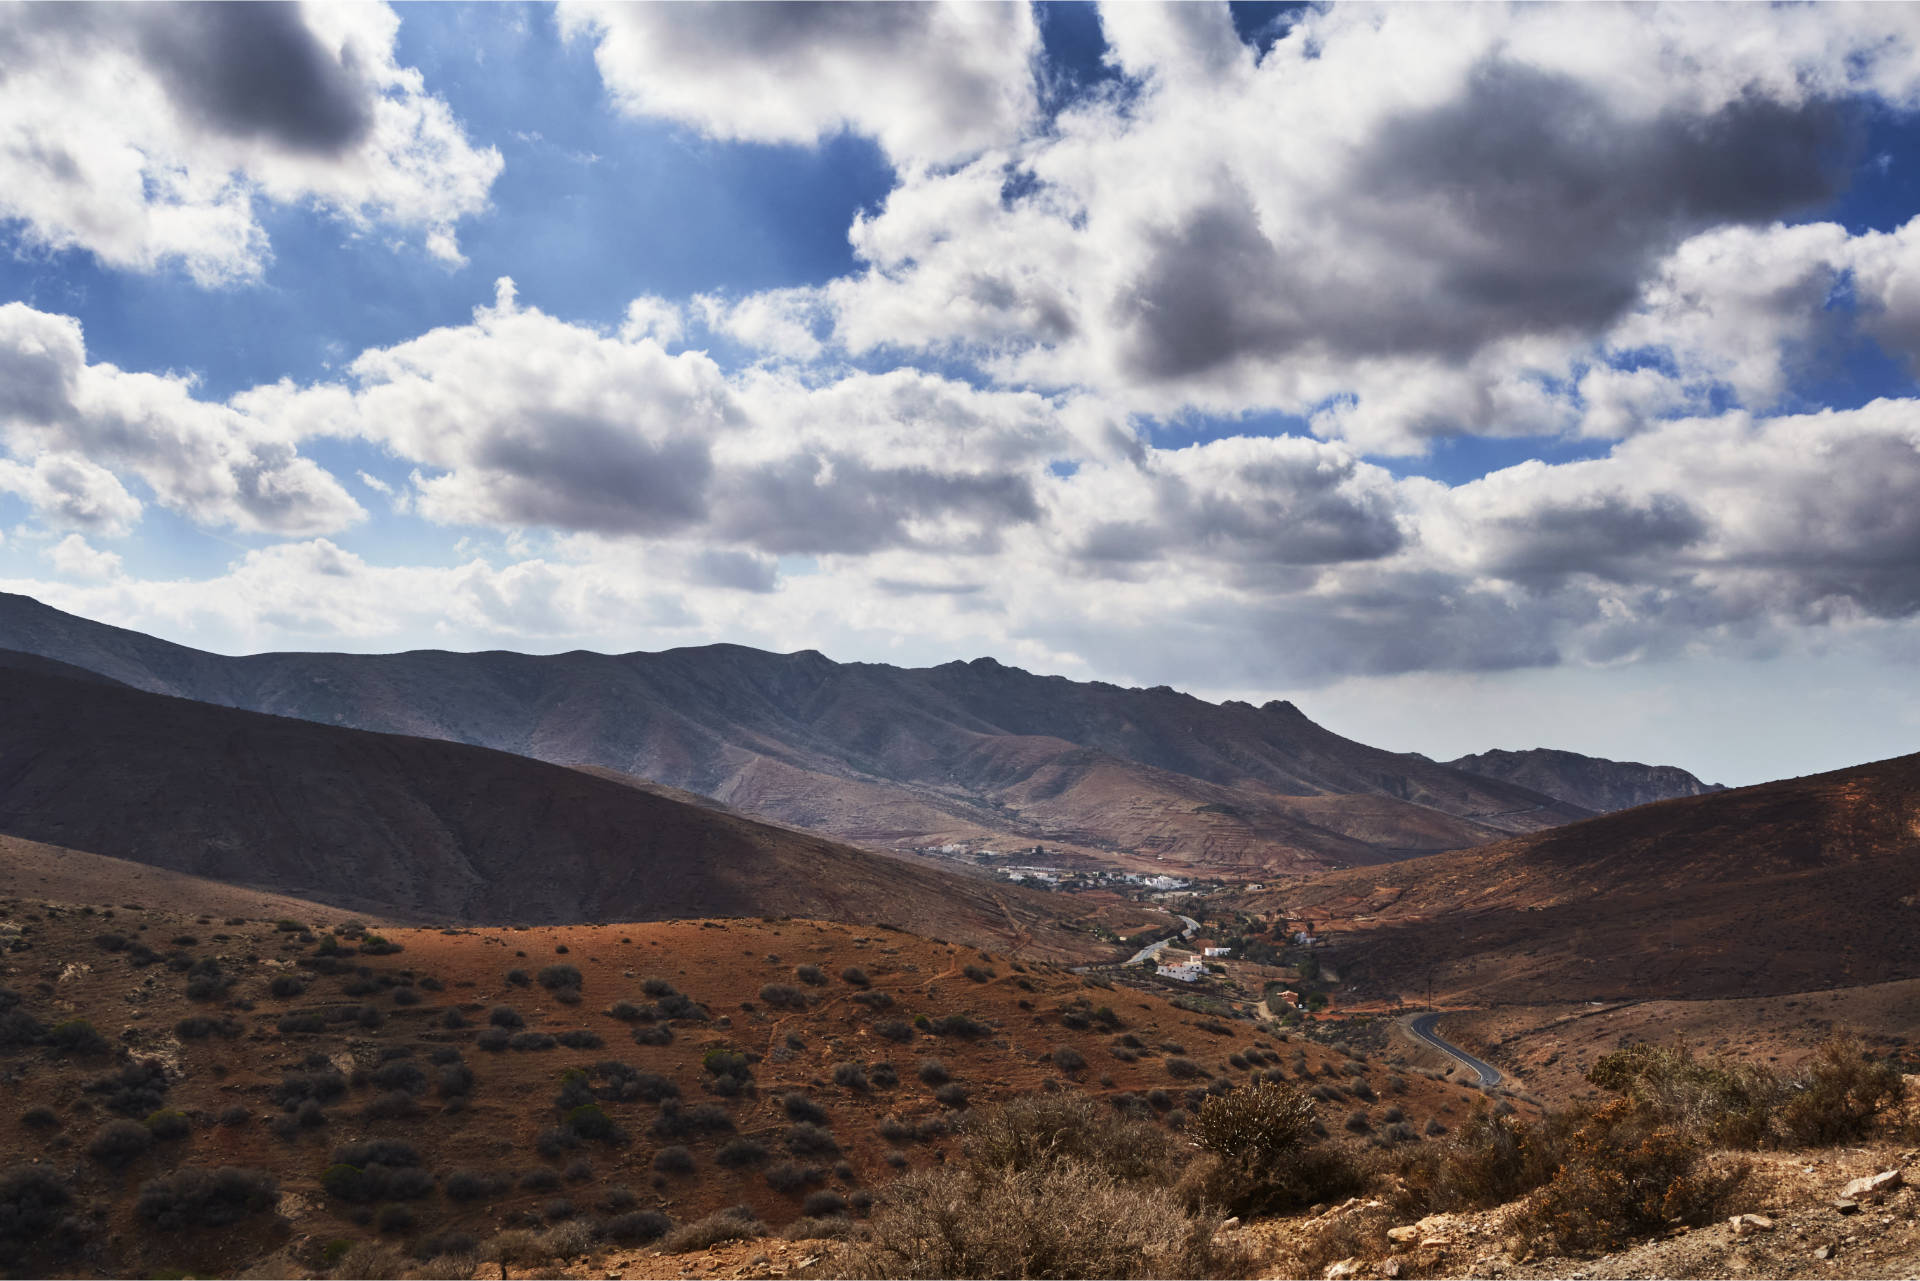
[
  {"x": 968, "y": 755},
  {"x": 1590, "y": 782},
  {"x": 423, "y": 830},
  {"x": 1790, "y": 886}
]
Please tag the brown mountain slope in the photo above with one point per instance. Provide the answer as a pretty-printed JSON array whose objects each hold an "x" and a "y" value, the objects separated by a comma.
[
  {"x": 882, "y": 1006},
  {"x": 427, "y": 830},
  {"x": 1602, "y": 786},
  {"x": 975, "y": 753},
  {"x": 1790, "y": 886},
  {"x": 58, "y": 875}
]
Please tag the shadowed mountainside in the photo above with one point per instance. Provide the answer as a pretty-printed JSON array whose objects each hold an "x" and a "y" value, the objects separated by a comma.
[
  {"x": 1790, "y": 886},
  {"x": 426, "y": 830},
  {"x": 973, "y": 753},
  {"x": 1590, "y": 782}
]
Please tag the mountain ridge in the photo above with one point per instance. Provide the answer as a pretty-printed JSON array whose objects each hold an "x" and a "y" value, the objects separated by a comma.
[
  {"x": 1782, "y": 887},
  {"x": 971, "y": 754},
  {"x": 1591, "y": 782},
  {"x": 426, "y": 830}
]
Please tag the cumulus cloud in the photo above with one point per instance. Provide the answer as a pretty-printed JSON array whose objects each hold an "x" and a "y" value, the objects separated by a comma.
[
  {"x": 67, "y": 491},
  {"x": 146, "y": 134},
  {"x": 929, "y": 82},
  {"x": 1260, "y": 562},
  {"x": 1465, "y": 212},
  {"x": 74, "y": 557},
  {"x": 522, "y": 419},
  {"x": 67, "y": 422}
]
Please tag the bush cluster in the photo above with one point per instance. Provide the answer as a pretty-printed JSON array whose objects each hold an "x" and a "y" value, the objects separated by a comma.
[{"x": 197, "y": 1198}]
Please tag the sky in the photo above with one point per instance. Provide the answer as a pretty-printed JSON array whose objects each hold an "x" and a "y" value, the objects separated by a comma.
[{"x": 1473, "y": 377}]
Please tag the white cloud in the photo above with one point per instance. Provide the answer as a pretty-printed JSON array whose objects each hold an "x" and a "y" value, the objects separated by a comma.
[
  {"x": 147, "y": 134},
  {"x": 777, "y": 322},
  {"x": 67, "y": 491},
  {"x": 1465, "y": 211},
  {"x": 521, "y": 419},
  {"x": 74, "y": 557},
  {"x": 216, "y": 466},
  {"x": 929, "y": 82},
  {"x": 655, "y": 318}
]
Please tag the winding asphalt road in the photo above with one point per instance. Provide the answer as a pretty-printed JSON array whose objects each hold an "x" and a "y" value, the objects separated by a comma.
[
  {"x": 1152, "y": 950},
  {"x": 1422, "y": 1027}
]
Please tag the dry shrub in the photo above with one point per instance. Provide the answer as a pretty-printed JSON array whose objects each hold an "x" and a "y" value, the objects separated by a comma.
[
  {"x": 735, "y": 1223},
  {"x": 1626, "y": 1174},
  {"x": 568, "y": 1240},
  {"x": 1491, "y": 1160},
  {"x": 835, "y": 1227},
  {"x": 1040, "y": 1130},
  {"x": 1262, "y": 1154},
  {"x": 516, "y": 1248},
  {"x": 458, "y": 1266},
  {"x": 370, "y": 1261},
  {"x": 1841, "y": 1096},
  {"x": 1838, "y": 1099},
  {"x": 1063, "y": 1219},
  {"x": 1719, "y": 1100}
]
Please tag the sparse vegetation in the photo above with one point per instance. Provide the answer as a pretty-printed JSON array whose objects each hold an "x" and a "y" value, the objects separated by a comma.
[
  {"x": 196, "y": 1198},
  {"x": 737, "y": 1223},
  {"x": 118, "y": 1144}
]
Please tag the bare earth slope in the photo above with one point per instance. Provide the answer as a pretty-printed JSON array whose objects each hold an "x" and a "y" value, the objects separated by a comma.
[
  {"x": 1786, "y": 887},
  {"x": 1590, "y": 782},
  {"x": 428, "y": 830},
  {"x": 976, "y": 753},
  {"x": 474, "y": 1111}
]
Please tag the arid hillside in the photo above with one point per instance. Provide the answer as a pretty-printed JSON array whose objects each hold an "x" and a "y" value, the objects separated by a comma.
[
  {"x": 431, "y": 831},
  {"x": 1590, "y": 782},
  {"x": 431, "y": 1090},
  {"x": 977, "y": 753},
  {"x": 1787, "y": 887}
]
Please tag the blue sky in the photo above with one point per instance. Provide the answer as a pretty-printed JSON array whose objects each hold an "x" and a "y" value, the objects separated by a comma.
[{"x": 1429, "y": 366}]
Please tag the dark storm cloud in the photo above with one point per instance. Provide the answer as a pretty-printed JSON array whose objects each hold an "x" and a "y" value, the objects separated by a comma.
[
  {"x": 253, "y": 70},
  {"x": 247, "y": 69},
  {"x": 742, "y": 571},
  {"x": 907, "y": 587},
  {"x": 580, "y": 473},
  {"x": 1605, "y": 534},
  {"x": 1248, "y": 504},
  {"x": 766, "y": 29},
  {"x": 1527, "y": 205}
]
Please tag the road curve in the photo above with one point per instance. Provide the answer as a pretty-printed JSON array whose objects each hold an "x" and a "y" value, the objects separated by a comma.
[
  {"x": 1422, "y": 1027},
  {"x": 1152, "y": 950}
]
